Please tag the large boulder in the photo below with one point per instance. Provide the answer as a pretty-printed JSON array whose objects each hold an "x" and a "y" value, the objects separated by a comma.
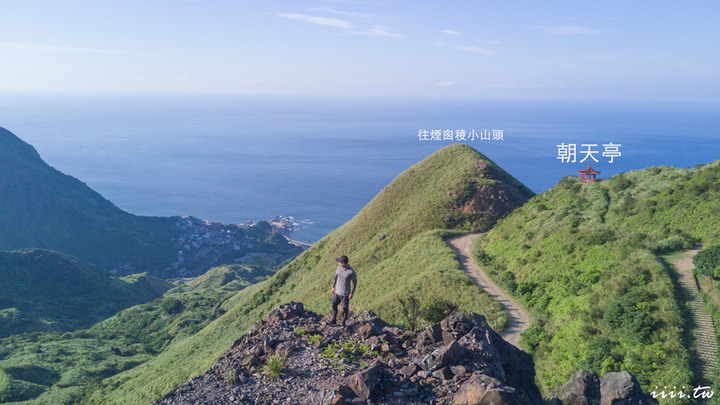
[
  {"x": 429, "y": 336},
  {"x": 583, "y": 388},
  {"x": 287, "y": 311},
  {"x": 481, "y": 389},
  {"x": 449, "y": 355},
  {"x": 502, "y": 360},
  {"x": 622, "y": 388},
  {"x": 455, "y": 326},
  {"x": 367, "y": 324},
  {"x": 363, "y": 383}
]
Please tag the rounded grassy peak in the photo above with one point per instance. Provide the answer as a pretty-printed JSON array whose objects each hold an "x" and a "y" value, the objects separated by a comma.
[{"x": 456, "y": 187}]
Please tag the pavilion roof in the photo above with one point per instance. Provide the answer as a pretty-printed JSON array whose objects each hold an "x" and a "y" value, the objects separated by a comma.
[{"x": 589, "y": 170}]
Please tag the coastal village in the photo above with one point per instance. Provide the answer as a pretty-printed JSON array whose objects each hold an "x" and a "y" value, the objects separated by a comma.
[{"x": 202, "y": 244}]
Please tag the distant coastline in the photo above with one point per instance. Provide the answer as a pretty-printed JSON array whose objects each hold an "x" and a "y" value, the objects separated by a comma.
[
  {"x": 204, "y": 243},
  {"x": 228, "y": 159}
]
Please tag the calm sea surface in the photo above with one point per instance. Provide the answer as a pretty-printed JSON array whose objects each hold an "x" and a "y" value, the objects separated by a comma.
[{"x": 320, "y": 160}]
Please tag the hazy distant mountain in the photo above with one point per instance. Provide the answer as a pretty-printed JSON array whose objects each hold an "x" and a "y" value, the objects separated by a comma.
[{"x": 41, "y": 207}]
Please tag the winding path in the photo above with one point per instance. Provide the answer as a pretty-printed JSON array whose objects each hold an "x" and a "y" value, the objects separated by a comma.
[
  {"x": 518, "y": 318},
  {"x": 704, "y": 331}
]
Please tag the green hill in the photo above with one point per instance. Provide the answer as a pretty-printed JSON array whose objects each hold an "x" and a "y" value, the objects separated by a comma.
[
  {"x": 57, "y": 368},
  {"x": 43, "y": 208},
  {"x": 231, "y": 277},
  {"x": 43, "y": 290},
  {"x": 396, "y": 245},
  {"x": 583, "y": 258}
]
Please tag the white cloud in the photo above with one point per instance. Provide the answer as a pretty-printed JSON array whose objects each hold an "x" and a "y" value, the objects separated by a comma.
[
  {"x": 339, "y": 12},
  {"x": 451, "y": 32},
  {"x": 12, "y": 46},
  {"x": 474, "y": 49},
  {"x": 568, "y": 30},
  {"x": 330, "y": 22},
  {"x": 377, "y": 31},
  {"x": 518, "y": 86},
  {"x": 445, "y": 84}
]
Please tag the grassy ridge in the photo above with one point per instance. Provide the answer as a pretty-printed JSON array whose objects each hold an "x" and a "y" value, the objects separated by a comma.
[
  {"x": 49, "y": 291},
  {"x": 582, "y": 256},
  {"x": 396, "y": 246},
  {"x": 232, "y": 277}
]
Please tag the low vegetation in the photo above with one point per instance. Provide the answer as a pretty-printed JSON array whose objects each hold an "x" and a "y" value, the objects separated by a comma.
[
  {"x": 582, "y": 257},
  {"x": 66, "y": 367},
  {"x": 275, "y": 364},
  {"x": 49, "y": 291}
]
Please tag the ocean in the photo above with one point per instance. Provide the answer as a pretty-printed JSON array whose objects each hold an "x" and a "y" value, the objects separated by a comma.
[{"x": 321, "y": 159}]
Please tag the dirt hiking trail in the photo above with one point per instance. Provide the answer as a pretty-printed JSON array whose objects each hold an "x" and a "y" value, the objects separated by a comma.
[
  {"x": 518, "y": 318},
  {"x": 704, "y": 331}
]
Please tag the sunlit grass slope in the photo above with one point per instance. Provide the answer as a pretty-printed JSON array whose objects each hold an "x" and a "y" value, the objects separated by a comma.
[
  {"x": 396, "y": 246},
  {"x": 582, "y": 256}
]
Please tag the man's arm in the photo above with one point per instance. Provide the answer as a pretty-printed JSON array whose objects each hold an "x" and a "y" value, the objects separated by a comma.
[
  {"x": 353, "y": 282},
  {"x": 334, "y": 282}
]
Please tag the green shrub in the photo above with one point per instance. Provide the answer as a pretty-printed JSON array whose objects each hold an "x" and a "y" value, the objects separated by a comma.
[
  {"x": 275, "y": 364},
  {"x": 707, "y": 260},
  {"x": 507, "y": 279},
  {"x": 674, "y": 242},
  {"x": 171, "y": 306},
  {"x": 630, "y": 315},
  {"x": 410, "y": 310},
  {"x": 436, "y": 309},
  {"x": 531, "y": 338},
  {"x": 598, "y": 356}
]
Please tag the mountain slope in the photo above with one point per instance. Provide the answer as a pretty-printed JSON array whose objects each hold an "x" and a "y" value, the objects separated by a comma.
[
  {"x": 43, "y": 290},
  {"x": 56, "y": 368},
  {"x": 396, "y": 245},
  {"x": 582, "y": 256},
  {"x": 43, "y": 208},
  {"x": 231, "y": 277}
]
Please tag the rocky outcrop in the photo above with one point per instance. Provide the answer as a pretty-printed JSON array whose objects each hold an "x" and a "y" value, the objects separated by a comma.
[
  {"x": 461, "y": 360},
  {"x": 583, "y": 388},
  {"x": 586, "y": 388}
]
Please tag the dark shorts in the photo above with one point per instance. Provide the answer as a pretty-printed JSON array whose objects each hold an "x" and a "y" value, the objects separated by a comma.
[{"x": 343, "y": 300}]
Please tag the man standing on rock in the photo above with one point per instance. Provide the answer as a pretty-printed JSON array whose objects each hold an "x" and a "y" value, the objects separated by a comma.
[{"x": 342, "y": 294}]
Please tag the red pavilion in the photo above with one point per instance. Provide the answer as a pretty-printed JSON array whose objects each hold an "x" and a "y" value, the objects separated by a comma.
[{"x": 585, "y": 174}]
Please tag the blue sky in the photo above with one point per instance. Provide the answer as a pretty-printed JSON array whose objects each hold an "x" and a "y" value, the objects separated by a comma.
[{"x": 615, "y": 50}]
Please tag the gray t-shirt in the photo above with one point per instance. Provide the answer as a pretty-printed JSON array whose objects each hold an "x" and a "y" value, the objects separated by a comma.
[{"x": 343, "y": 276}]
